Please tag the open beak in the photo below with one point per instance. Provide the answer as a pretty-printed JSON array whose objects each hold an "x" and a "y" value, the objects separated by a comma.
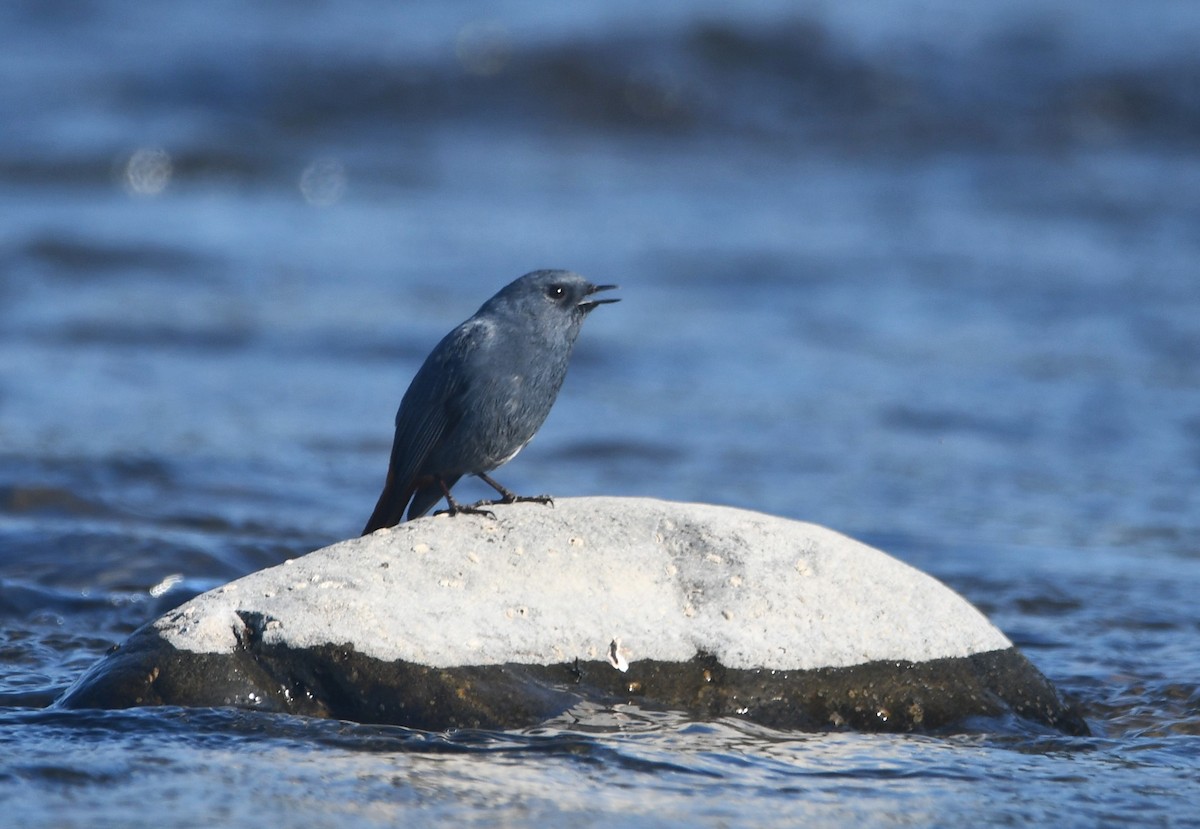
[{"x": 589, "y": 304}]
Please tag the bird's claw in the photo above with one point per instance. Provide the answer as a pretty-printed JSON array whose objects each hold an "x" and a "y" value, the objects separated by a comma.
[
  {"x": 536, "y": 499},
  {"x": 473, "y": 509},
  {"x": 517, "y": 499}
]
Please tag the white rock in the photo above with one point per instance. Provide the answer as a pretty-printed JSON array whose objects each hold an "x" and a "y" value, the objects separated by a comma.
[{"x": 622, "y": 579}]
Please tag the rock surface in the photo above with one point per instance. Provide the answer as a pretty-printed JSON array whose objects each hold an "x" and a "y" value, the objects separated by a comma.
[{"x": 474, "y": 622}]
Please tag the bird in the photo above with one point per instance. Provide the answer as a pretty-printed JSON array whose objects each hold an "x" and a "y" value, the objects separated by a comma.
[{"x": 482, "y": 394}]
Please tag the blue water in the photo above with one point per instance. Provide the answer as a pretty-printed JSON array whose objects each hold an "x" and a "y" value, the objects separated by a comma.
[{"x": 925, "y": 273}]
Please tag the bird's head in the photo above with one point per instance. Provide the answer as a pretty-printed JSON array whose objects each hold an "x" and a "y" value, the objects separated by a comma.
[{"x": 559, "y": 298}]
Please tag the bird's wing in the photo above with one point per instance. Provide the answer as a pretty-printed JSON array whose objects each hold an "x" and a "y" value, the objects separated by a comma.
[
  {"x": 426, "y": 414},
  {"x": 431, "y": 407}
]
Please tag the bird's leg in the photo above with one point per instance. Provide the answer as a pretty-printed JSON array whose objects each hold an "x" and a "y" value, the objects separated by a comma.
[
  {"x": 507, "y": 496},
  {"x": 457, "y": 508}
]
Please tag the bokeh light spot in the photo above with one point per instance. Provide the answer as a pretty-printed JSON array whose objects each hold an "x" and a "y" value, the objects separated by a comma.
[
  {"x": 147, "y": 172},
  {"x": 323, "y": 182},
  {"x": 483, "y": 47}
]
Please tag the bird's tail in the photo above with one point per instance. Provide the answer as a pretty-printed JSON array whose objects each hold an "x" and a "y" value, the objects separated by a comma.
[{"x": 389, "y": 509}]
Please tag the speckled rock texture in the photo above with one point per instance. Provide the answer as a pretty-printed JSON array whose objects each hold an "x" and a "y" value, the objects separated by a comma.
[{"x": 469, "y": 621}]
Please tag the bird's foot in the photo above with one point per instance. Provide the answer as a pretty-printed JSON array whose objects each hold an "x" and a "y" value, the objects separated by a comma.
[
  {"x": 472, "y": 509},
  {"x": 507, "y": 496},
  {"x": 510, "y": 498},
  {"x": 536, "y": 499}
]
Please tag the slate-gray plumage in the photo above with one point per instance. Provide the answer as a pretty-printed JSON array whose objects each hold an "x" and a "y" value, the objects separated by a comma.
[{"x": 483, "y": 392}]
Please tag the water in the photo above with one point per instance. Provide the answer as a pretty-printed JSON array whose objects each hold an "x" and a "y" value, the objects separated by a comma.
[{"x": 922, "y": 272}]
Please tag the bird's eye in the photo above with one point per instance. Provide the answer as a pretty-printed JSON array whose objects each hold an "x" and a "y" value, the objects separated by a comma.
[{"x": 556, "y": 291}]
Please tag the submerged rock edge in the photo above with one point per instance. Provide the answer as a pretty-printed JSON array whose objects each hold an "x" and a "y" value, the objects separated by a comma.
[{"x": 339, "y": 682}]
